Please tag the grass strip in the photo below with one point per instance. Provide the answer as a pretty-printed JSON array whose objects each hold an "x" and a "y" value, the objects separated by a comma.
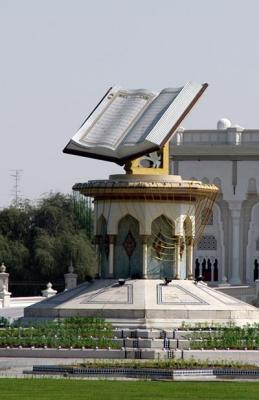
[{"x": 45, "y": 389}]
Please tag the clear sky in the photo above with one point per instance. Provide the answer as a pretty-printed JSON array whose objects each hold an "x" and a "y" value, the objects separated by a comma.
[{"x": 58, "y": 57}]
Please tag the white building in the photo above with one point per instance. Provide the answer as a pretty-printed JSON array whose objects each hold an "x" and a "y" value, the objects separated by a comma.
[{"x": 228, "y": 157}]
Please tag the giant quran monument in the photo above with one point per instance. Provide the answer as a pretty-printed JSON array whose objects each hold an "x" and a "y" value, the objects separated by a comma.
[{"x": 146, "y": 221}]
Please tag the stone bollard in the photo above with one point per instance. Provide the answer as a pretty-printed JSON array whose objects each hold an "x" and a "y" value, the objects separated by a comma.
[
  {"x": 49, "y": 292},
  {"x": 70, "y": 278},
  {"x": 5, "y": 297},
  {"x": 4, "y": 277}
]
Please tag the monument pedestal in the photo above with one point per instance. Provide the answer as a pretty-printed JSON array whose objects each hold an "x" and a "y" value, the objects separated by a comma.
[
  {"x": 146, "y": 303},
  {"x": 145, "y": 227}
]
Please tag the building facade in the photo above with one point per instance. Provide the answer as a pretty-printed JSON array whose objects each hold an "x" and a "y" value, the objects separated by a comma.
[{"x": 228, "y": 157}]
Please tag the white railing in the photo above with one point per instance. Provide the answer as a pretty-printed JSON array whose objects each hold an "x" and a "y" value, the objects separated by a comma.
[{"x": 229, "y": 136}]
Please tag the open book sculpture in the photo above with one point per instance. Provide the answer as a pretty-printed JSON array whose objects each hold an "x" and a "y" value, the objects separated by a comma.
[{"x": 129, "y": 123}]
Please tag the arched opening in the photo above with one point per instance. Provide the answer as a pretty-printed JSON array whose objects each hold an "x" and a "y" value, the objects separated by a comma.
[
  {"x": 162, "y": 250},
  {"x": 197, "y": 268},
  {"x": 216, "y": 271},
  {"x": 207, "y": 268},
  {"x": 128, "y": 249}
]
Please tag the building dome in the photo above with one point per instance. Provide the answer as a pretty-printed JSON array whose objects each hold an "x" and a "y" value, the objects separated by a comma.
[{"x": 223, "y": 123}]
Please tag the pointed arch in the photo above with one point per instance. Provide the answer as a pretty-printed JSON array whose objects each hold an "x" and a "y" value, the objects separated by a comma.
[
  {"x": 162, "y": 249},
  {"x": 128, "y": 249}
]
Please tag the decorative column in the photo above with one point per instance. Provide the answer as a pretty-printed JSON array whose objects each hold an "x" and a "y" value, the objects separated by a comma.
[
  {"x": 111, "y": 255},
  {"x": 4, "y": 293},
  {"x": 212, "y": 260},
  {"x": 97, "y": 240},
  {"x": 5, "y": 297},
  {"x": 4, "y": 277},
  {"x": 235, "y": 272},
  {"x": 178, "y": 256},
  {"x": 189, "y": 257},
  {"x": 145, "y": 252}
]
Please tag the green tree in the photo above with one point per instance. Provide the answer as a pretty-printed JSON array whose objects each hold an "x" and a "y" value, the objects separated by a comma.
[
  {"x": 38, "y": 243},
  {"x": 14, "y": 254}
]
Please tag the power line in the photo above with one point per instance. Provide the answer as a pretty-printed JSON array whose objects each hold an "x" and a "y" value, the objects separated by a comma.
[{"x": 16, "y": 174}]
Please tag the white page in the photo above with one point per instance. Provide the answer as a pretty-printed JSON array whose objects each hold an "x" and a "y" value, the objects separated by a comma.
[
  {"x": 174, "y": 112},
  {"x": 116, "y": 118},
  {"x": 150, "y": 117}
]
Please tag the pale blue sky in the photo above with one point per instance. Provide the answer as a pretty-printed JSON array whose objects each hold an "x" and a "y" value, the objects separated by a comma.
[{"x": 58, "y": 57}]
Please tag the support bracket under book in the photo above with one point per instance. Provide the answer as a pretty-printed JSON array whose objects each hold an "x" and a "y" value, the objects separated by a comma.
[{"x": 156, "y": 163}]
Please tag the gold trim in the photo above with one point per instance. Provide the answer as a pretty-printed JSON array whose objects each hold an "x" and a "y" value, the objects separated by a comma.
[{"x": 133, "y": 168}]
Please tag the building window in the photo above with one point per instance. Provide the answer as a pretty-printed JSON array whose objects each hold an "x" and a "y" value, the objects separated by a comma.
[
  {"x": 207, "y": 242},
  {"x": 257, "y": 244},
  {"x": 207, "y": 268}
]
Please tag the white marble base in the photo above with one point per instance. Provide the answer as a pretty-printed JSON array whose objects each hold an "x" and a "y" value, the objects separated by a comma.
[{"x": 146, "y": 303}]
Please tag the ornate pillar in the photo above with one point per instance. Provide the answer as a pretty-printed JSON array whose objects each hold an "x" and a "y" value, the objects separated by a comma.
[
  {"x": 4, "y": 277},
  {"x": 178, "y": 256},
  {"x": 111, "y": 255},
  {"x": 235, "y": 272},
  {"x": 145, "y": 252},
  {"x": 212, "y": 269},
  {"x": 189, "y": 257},
  {"x": 97, "y": 254}
]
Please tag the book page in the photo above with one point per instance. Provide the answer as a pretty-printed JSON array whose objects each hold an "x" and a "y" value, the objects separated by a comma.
[
  {"x": 150, "y": 117},
  {"x": 176, "y": 111},
  {"x": 120, "y": 113}
]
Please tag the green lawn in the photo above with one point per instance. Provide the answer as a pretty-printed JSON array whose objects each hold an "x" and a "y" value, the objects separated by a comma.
[{"x": 62, "y": 389}]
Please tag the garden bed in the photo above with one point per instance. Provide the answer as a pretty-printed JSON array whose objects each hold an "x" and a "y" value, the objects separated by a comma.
[{"x": 73, "y": 332}]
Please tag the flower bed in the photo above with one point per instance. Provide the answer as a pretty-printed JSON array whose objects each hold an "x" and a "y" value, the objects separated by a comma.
[
  {"x": 71, "y": 332},
  {"x": 238, "y": 338}
]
